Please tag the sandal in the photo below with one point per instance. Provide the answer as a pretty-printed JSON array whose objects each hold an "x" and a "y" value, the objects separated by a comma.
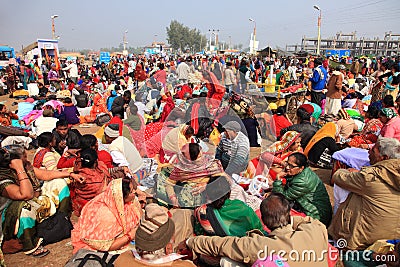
[
  {"x": 40, "y": 241},
  {"x": 40, "y": 252}
]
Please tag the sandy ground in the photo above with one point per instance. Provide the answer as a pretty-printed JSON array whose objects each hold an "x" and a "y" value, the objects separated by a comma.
[{"x": 61, "y": 252}]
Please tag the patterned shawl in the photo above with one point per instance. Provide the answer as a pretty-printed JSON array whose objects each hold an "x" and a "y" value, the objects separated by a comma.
[
  {"x": 389, "y": 113},
  {"x": 283, "y": 145},
  {"x": 186, "y": 170},
  {"x": 39, "y": 156}
]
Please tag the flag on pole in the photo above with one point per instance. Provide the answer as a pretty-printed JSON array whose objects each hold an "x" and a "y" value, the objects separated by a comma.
[
  {"x": 56, "y": 60},
  {"x": 47, "y": 56}
]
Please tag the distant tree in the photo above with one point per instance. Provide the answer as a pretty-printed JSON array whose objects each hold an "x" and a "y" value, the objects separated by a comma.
[
  {"x": 136, "y": 50},
  {"x": 181, "y": 37}
]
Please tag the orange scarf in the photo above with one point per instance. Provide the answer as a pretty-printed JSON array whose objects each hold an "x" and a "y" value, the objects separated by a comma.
[{"x": 328, "y": 130}]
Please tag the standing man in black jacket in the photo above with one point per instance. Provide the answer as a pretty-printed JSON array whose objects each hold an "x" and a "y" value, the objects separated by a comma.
[{"x": 121, "y": 103}]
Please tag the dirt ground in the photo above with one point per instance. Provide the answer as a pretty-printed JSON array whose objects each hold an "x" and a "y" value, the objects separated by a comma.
[{"x": 61, "y": 252}]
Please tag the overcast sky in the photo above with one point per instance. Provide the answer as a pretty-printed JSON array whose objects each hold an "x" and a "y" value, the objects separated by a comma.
[{"x": 96, "y": 24}]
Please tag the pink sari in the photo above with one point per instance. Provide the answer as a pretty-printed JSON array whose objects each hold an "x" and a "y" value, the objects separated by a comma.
[
  {"x": 104, "y": 219},
  {"x": 138, "y": 137}
]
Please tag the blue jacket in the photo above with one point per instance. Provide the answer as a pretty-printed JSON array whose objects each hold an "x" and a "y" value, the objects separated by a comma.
[
  {"x": 318, "y": 80},
  {"x": 111, "y": 99}
]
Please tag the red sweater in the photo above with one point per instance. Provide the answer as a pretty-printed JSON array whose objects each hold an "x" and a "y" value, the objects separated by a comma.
[
  {"x": 102, "y": 155},
  {"x": 281, "y": 122}
]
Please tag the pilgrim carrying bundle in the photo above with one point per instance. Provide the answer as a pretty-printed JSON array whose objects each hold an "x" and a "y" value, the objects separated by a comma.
[{"x": 240, "y": 104}]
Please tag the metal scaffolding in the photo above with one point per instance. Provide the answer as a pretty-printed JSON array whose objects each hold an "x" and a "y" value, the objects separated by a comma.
[{"x": 388, "y": 46}]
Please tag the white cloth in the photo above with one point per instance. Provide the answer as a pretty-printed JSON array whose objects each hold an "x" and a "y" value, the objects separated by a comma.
[
  {"x": 141, "y": 108},
  {"x": 349, "y": 103},
  {"x": 16, "y": 140},
  {"x": 73, "y": 70},
  {"x": 119, "y": 158},
  {"x": 122, "y": 146},
  {"x": 183, "y": 71},
  {"x": 339, "y": 195},
  {"x": 333, "y": 105},
  {"x": 84, "y": 111},
  {"x": 33, "y": 89},
  {"x": 43, "y": 124}
]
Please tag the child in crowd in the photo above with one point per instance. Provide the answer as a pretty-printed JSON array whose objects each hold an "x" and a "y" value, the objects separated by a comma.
[{"x": 71, "y": 112}]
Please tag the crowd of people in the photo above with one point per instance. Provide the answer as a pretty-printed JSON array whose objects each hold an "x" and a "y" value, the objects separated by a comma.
[{"x": 187, "y": 168}]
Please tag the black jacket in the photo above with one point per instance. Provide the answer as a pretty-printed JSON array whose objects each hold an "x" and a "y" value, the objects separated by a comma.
[
  {"x": 73, "y": 139},
  {"x": 305, "y": 128},
  {"x": 117, "y": 106}
]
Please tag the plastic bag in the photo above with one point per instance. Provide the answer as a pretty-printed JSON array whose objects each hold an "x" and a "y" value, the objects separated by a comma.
[{"x": 215, "y": 136}]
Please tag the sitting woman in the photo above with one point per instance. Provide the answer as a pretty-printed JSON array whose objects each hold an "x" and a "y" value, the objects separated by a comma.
[
  {"x": 136, "y": 127},
  {"x": 345, "y": 125},
  {"x": 97, "y": 176},
  {"x": 304, "y": 189},
  {"x": 270, "y": 162},
  {"x": 28, "y": 202},
  {"x": 99, "y": 106},
  {"x": 222, "y": 216},
  {"x": 46, "y": 157},
  {"x": 175, "y": 139},
  {"x": 69, "y": 157},
  {"x": 109, "y": 221},
  {"x": 184, "y": 183},
  {"x": 6, "y": 116},
  {"x": 371, "y": 130},
  {"x": 322, "y": 146},
  {"x": 391, "y": 123}
]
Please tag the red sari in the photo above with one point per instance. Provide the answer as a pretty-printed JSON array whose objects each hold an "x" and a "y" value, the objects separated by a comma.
[
  {"x": 96, "y": 181},
  {"x": 169, "y": 106}
]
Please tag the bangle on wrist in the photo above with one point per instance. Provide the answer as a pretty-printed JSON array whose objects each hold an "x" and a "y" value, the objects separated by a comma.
[
  {"x": 25, "y": 178},
  {"x": 21, "y": 172}
]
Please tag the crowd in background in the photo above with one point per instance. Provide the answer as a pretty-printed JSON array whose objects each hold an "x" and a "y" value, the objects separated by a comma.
[{"x": 186, "y": 160}]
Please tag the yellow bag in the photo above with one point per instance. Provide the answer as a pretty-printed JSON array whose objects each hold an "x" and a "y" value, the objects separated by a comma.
[
  {"x": 215, "y": 137},
  {"x": 381, "y": 246},
  {"x": 100, "y": 133}
]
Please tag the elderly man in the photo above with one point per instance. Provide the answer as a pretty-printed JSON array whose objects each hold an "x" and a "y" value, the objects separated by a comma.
[
  {"x": 234, "y": 149},
  {"x": 290, "y": 239},
  {"x": 371, "y": 210},
  {"x": 154, "y": 241}
]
